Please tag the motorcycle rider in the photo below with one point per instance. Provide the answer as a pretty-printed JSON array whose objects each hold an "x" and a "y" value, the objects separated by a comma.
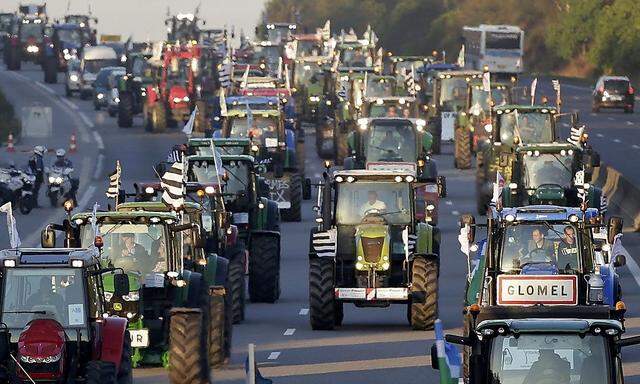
[
  {"x": 36, "y": 166},
  {"x": 63, "y": 162}
]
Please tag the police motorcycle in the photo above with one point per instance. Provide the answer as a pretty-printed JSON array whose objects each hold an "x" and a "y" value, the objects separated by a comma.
[
  {"x": 16, "y": 186},
  {"x": 59, "y": 184}
]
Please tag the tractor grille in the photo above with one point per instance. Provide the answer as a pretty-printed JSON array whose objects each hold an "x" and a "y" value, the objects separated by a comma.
[
  {"x": 372, "y": 247},
  {"x": 51, "y": 368}
]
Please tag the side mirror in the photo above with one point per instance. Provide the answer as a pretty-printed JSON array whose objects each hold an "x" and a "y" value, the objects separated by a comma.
[
  {"x": 120, "y": 284},
  {"x": 48, "y": 238},
  {"x": 468, "y": 219},
  {"x": 442, "y": 186},
  {"x": 427, "y": 142},
  {"x": 434, "y": 357},
  {"x": 619, "y": 260},
  {"x": 614, "y": 227}
]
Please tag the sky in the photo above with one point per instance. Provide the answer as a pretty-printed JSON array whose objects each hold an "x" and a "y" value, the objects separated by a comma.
[{"x": 145, "y": 18}]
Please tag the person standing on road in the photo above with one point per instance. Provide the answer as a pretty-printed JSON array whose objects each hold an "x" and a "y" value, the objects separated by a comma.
[{"x": 36, "y": 166}]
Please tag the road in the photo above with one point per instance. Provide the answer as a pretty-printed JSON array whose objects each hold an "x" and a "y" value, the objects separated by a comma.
[{"x": 374, "y": 345}]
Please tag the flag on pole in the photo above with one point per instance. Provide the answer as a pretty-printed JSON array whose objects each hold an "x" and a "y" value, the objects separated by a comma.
[
  {"x": 556, "y": 87},
  {"x": 497, "y": 189},
  {"x": 223, "y": 103},
  {"x": 463, "y": 239},
  {"x": 578, "y": 181},
  {"x": 409, "y": 80},
  {"x": 188, "y": 126},
  {"x": 461, "y": 57},
  {"x": 114, "y": 183},
  {"x": 172, "y": 183},
  {"x": 279, "y": 75},
  {"x": 534, "y": 84},
  {"x": 251, "y": 369},
  {"x": 486, "y": 81},
  {"x": 245, "y": 78},
  {"x": 14, "y": 238},
  {"x": 448, "y": 357},
  {"x": 94, "y": 220},
  {"x": 575, "y": 135}
]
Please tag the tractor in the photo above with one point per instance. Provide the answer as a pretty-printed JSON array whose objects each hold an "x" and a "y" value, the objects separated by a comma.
[
  {"x": 512, "y": 126},
  {"x": 25, "y": 42},
  {"x": 308, "y": 80},
  {"x": 132, "y": 88},
  {"x": 178, "y": 315},
  {"x": 54, "y": 324},
  {"x": 275, "y": 147},
  {"x": 369, "y": 249},
  {"x": 86, "y": 23},
  {"x": 182, "y": 28},
  {"x": 537, "y": 261},
  {"x": 402, "y": 145},
  {"x": 64, "y": 44}
]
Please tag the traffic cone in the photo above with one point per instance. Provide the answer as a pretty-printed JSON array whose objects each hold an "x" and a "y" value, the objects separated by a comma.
[
  {"x": 72, "y": 144},
  {"x": 10, "y": 147}
]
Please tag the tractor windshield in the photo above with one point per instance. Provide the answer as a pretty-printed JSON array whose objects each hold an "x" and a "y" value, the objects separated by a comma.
[
  {"x": 177, "y": 72},
  {"x": 390, "y": 141},
  {"x": 203, "y": 171},
  {"x": 44, "y": 293},
  {"x": 270, "y": 55},
  {"x": 307, "y": 48},
  {"x": 94, "y": 66},
  {"x": 141, "y": 248},
  {"x": 550, "y": 358},
  {"x": 263, "y": 129},
  {"x": 31, "y": 31},
  {"x": 453, "y": 93},
  {"x": 380, "y": 87},
  {"x": 73, "y": 36},
  {"x": 528, "y": 127},
  {"x": 80, "y": 20},
  {"x": 480, "y": 98},
  {"x": 554, "y": 244},
  {"x": 238, "y": 173},
  {"x": 547, "y": 169},
  {"x": 353, "y": 58},
  {"x": 359, "y": 199},
  {"x": 5, "y": 22},
  {"x": 308, "y": 74}
]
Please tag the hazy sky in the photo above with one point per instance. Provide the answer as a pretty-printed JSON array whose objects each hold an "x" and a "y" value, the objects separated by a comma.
[{"x": 145, "y": 18}]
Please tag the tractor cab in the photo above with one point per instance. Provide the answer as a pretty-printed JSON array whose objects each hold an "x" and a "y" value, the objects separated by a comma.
[
  {"x": 268, "y": 55},
  {"x": 280, "y": 33},
  {"x": 380, "y": 86},
  {"x": 393, "y": 106},
  {"x": 182, "y": 28},
  {"x": 308, "y": 82}
]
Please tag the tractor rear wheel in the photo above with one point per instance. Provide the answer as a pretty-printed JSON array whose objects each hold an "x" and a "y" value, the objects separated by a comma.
[
  {"x": 462, "y": 148},
  {"x": 217, "y": 330},
  {"x": 264, "y": 270},
  {"x": 125, "y": 375},
  {"x": 235, "y": 280},
  {"x": 100, "y": 372},
  {"x": 187, "y": 350},
  {"x": 294, "y": 213},
  {"x": 322, "y": 306},
  {"x": 424, "y": 283},
  {"x": 125, "y": 110},
  {"x": 158, "y": 118}
]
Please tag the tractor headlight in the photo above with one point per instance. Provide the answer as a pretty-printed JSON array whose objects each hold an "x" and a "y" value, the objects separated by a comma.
[
  {"x": 359, "y": 266},
  {"x": 132, "y": 296},
  {"x": 100, "y": 96},
  {"x": 177, "y": 99},
  {"x": 73, "y": 78},
  {"x": 108, "y": 296},
  {"x": 58, "y": 180},
  {"x": 385, "y": 266}
]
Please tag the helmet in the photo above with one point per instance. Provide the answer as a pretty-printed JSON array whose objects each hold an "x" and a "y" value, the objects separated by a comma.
[
  {"x": 60, "y": 152},
  {"x": 39, "y": 150}
]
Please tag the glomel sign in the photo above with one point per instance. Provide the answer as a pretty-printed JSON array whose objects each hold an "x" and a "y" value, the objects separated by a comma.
[{"x": 534, "y": 289}]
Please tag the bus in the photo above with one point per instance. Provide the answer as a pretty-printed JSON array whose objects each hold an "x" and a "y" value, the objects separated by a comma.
[{"x": 499, "y": 47}]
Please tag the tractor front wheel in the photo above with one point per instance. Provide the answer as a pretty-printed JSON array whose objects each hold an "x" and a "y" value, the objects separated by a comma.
[
  {"x": 462, "y": 148},
  {"x": 323, "y": 312},
  {"x": 264, "y": 270},
  {"x": 236, "y": 281},
  {"x": 424, "y": 285},
  {"x": 294, "y": 213},
  {"x": 125, "y": 110},
  {"x": 217, "y": 334},
  {"x": 99, "y": 372},
  {"x": 125, "y": 375},
  {"x": 187, "y": 350}
]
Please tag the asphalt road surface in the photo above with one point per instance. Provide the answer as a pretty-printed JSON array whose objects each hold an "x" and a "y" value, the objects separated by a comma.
[{"x": 374, "y": 345}]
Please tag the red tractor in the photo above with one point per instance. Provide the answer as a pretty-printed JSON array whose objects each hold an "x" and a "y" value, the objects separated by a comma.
[{"x": 54, "y": 327}]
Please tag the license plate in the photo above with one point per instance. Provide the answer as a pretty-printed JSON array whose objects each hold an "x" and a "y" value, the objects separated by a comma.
[
  {"x": 615, "y": 98},
  {"x": 533, "y": 289},
  {"x": 139, "y": 338},
  {"x": 284, "y": 204},
  {"x": 241, "y": 218}
]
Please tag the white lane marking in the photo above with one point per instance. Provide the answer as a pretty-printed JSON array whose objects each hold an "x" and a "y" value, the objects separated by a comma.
[
  {"x": 99, "y": 165},
  {"x": 86, "y": 120},
  {"x": 449, "y": 202},
  {"x": 592, "y": 114},
  {"x": 630, "y": 122},
  {"x": 599, "y": 135},
  {"x": 576, "y": 97},
  {"x": 44, "y": 87},
  {"x": 69, "y": 104},
  {"x": 455, "y": 213},
  {"x": 289, "y": 331},
  {"x": 635, "y": 146},
  {"x": 634, "y": 269},
  {"x": 610, "y": 118},
  {"x": 616, "y": 140},
  {"x": 304, "y": 312},
  {"x": 99, "y": 142},
  {"x": 84, "y": 200},
  {"x": 21, "y": 77},
  {"x": 565, "y": 125},
  {"x": 273, "y": 356}
]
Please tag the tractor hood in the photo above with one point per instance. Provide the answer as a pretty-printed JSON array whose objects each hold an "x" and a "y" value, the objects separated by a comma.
[
  {"x": 548, "y": 194},
  {"x": 372, "y": 246},
  {"x": 178, "y": 94},
  {"x": 42, "y": 341}
]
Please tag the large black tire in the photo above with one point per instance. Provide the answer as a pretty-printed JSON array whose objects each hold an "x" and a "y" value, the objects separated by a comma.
[
  {"x": 53, "y": 199},
  {"x": 50, "y": 70},
  {"x": 236, "y": 281},
  {"x": 125, "y": 110},
  {"x": 424, "y": 282},
  {"x": 158, "y": 118},
  {"x": 323, "y": 313},
  {"x": 67, "y": 91},
  {"x": 462, "y": 148},
  {"x": 295, "y": 212},
  {"x": 125, "y": 375},
  {"x": 100, "y": 372},
  {"x": 466, "y": 351},
  {"x": 217, "y": 334},
  {"x": 187, "y": 350},
  {"x": 264, "y": 270}
]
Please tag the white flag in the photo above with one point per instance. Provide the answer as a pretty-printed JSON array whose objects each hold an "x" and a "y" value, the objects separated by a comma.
[
  {"x": 534, "y": 84},
  {"x": 578, "y": 181},
  {"x": 14, "y": 238},
  {"x": 461, "y": 57},
  {"x": 497, "y": 188},
  {"x": 486, "y": 81},
  {"x": 463, "y": 239},
  {"x": 245, "y": 78},
  {"x": 326, "y": 31},
  {"x": 405, "y": 241},
  {"x": 94, "y": 220},
  {"x": 188, "y": 127},
  {"x": 223, "y": 103}
]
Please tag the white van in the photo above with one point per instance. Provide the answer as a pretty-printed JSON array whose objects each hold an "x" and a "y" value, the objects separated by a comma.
[{"x": 94, "y": 59}]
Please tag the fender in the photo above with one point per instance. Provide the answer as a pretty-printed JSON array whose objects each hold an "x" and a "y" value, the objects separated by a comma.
[
  {"x": 427, "y": 239},
  {"x": 594, "y": 196},
  {"x": 610, "y": 279},
  {"x": 215, "y": 272},
  {"x": 194, "y": 288},
  {"x": 508, "y": 198},
  {"x": 113, "y": 334}
]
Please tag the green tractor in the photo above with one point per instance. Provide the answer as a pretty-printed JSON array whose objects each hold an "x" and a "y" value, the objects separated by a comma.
[
  {"x": 471, "y": 123},
  {"x": 512, "y": 126},
  {"x": 449, "y": 96},
  {"x": 132, "y": 88},
  {"x": 370, "y": 250},
  {"x": 179, "y": 316},
  {"x": 308, "y": 82}
]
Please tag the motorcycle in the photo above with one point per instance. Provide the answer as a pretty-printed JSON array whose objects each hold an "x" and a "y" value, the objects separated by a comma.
[
  {"x": 17, "y": 187},
  {"x": 59, "y": 184}
]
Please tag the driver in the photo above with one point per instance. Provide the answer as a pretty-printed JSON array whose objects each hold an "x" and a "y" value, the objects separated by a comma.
[
  {"x": 549, "y": 366},
  {"x": 568, "y": 249},
  {"x": 389, "y": 141},
  {"x": 45, "y": 295},
  {"x": 132, "y": 249},
  {"x": 537, "y": 245},
  {"x": 392, "y": 111},
  {"x": 372, "y": 203}
]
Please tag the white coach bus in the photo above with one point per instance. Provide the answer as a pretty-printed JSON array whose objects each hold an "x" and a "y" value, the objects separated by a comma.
[{"x": 500, "y": 47}]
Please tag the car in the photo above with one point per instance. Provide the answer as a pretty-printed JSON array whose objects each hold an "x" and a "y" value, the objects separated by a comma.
[
  {"x": 93, "y": 60},
  {"x": 613, "y": 92},
  {"x": 101, "y": 88}
]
